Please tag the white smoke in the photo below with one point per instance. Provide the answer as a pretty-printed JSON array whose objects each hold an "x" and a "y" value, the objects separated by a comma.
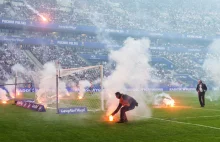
[
  {"x": 46, "y": 94},
  {"x": 3, "y": 95},
  {"x": 10, "y": 88},
  {"x": 83, "y": 84},
  {"x": 19, "y": 70},
  {"x": 44, "y": 79},
  {"x": 212, "y": 68},
  {"x": 132, "y": 69},
  {"x": 163, "y": 99},
  {"x": 173, "y": 83},
  {"x": 213, "y": 96}
]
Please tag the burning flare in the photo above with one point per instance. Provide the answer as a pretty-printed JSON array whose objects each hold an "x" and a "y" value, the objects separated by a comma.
[
  {"x": 43, "y": 18},
  {"x": 79, "y": 97},
  {"x": 4, "y": 102},
  {"x": 172, "y": 102},
  {"x": 169, "y": 102},
  {"x": 111, "y": 118}
]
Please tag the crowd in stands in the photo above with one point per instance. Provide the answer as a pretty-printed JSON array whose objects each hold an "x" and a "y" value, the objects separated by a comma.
[
  {"x": 199, "y": 17},
  {"x": 48, "y": 35},
  {"x": 65, "y": 55},
  {"x": 69, "y": 57},
  {"x": 185, "y": 16},
  {"x": 9, "y": 56}
]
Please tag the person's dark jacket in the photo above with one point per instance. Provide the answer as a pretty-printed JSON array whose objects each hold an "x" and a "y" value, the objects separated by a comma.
[
  {"x": 125, "y": 100},
  {"x": 204, "y": 88}
]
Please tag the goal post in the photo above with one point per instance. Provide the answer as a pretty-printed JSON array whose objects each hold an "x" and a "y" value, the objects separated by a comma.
[
  {"x": 101, "y": 85},
  {"x": 9, "y": 91},
  {"x": 93, "y": 102}
]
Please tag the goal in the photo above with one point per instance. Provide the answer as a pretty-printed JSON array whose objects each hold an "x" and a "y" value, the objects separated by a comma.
[
  {"x": 10, "y": 90},
  {"x": 84, "y": 85}
]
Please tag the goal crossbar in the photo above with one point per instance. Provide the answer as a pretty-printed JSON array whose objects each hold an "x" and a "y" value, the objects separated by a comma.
[
  {"x": 65, "y": 72},
  {"x": 14, "y": 84}
]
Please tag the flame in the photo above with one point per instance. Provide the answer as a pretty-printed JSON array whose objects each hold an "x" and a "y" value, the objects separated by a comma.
[
  {"x": 172, "y": 102},
  {"x": 43, "y": 18},
  {"x": 111, "y": 118},
  {"x": 79, "y": 97},
  {"x": 169, "y": 102},
  {"x": 4, "y": 102},
  {"x": 12, "y": 95},
  {"x": 18, "y": 93}
]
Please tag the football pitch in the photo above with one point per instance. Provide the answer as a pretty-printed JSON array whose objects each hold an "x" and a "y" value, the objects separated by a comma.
[{"x": 186, "y": 122}]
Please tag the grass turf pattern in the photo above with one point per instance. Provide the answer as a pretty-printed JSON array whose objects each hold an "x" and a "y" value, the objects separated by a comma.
[{"x": 22, "y": 125}]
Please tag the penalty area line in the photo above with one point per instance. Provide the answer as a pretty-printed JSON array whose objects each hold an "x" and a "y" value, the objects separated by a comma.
[{"x": 186, "y": 123}]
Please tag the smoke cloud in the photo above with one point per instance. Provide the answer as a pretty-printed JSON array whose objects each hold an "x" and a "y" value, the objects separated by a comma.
[
  {"x": 212, "y": 68},
  {"x": 163, "y": 99},
  {"x": 10, "y": 88},
  {"x": 82, "y": 87},
  {"x": 3, "y": 95},
  {"x": 211, "y": 63},
  {"x": 46, "y": 94},
  {"x": 132, "y": 70},
  {"x": 17, "y": 69}
]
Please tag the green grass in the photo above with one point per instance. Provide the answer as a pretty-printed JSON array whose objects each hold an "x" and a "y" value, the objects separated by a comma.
[{"x": 21, "y": 125}]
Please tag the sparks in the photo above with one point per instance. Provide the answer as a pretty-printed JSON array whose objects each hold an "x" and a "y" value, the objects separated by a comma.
[
  {"x": 169, "y": 102},
  {"x": 79, "y": 97},
  {"x": 111, "y": 118},
  {"x": 172, "y": 103},
  {"x": 43, "y": 18},
  {"x": 4, "y": 102}
]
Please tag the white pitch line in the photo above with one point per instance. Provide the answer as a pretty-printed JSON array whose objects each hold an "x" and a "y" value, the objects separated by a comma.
[
  {"x": 186, "y": 123},
  {"x": 51, "y": 107},
  {"x": 205, "y": 109},
  {"x": 199, "y": 108},
  {"x": 208, "y": 116}
]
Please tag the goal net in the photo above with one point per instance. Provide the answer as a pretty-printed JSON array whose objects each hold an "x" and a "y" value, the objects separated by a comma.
[
  {"x": 10, "y": 90},
  {"x": 84, "y": 87},
  {"x": 71, "y": 88}
]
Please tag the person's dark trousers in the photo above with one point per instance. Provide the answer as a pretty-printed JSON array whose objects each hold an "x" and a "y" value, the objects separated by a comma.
[
  {"x": 202, "y": 98},
  {"x": 123, "y": 116}
]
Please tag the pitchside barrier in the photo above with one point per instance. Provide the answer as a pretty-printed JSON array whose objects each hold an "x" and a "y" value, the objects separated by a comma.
[
  {"x": 25, "y": 103},
  {"x": 74, "y": 110},
  {"x": 128, "y": 90},
  {"x": 29, "y": 104},
  {"x": 23, "y": 90}
]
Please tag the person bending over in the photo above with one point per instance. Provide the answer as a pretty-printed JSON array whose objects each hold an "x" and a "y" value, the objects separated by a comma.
[{"x": 126, "y": 103}]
